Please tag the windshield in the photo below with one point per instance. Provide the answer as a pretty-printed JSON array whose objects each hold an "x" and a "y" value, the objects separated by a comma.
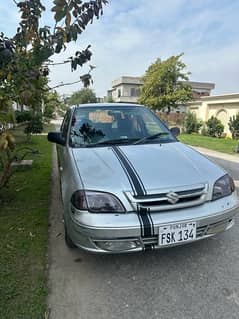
[{"x": 92, "y": 126}]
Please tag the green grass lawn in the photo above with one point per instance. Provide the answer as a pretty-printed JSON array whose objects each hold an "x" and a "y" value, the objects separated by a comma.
[
  {"x": 213, "y": 143},
  {"x": 24, "y": 206}
]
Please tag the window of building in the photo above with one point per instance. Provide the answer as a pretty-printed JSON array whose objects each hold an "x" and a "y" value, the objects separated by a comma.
[
  {"x": 119, "y": 93},
  {"x": 132, "y": 92}
]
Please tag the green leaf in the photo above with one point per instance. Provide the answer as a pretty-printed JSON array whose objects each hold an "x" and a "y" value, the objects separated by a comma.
[
  {"x": 55, "y": 8},
  {"x": 9, "y": 76},
  {"x": 59, "y": 15},
  {"x": 60, "y": 3}
]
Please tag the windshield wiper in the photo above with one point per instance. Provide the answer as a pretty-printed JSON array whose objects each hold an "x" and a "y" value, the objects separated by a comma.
[
  {"x": 112, "y": 142},
  {"x": 151, "y": 137}
]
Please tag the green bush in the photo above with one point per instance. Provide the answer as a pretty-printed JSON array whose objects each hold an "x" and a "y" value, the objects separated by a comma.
[
  {"x": 35, "y": 125},
  {"x": 7, "y": 117},
  {"x": 204, "y": 130},
  {"x": 234, "y": 126},
  {"x": 49, "y": 113},
  {"x": 23, "y": 116},
  {"x": 215, "y": 127},
  {"x": 191, "y": 123}
]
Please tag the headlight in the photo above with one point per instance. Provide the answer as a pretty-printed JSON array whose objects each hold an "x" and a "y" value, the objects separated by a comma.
[
  {"x": 224, "y": 186},
  {"x": 96, "y": 202}
]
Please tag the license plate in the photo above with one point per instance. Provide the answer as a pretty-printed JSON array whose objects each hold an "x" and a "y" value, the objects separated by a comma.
[{"x": 177, "y": 233}]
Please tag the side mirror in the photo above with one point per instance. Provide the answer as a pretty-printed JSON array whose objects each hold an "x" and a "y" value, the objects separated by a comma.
[
  {"x": 56, "y": 137},
  {"x": 175, "y": 131}
]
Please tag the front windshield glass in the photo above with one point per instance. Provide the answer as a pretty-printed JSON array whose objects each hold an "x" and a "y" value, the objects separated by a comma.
[{"x": 115, "y": 125}]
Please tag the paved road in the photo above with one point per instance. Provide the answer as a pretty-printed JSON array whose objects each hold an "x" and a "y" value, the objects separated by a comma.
[{"x": 198, "y": 281}]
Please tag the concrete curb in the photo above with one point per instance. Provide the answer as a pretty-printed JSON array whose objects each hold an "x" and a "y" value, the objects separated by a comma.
[{"x": 227, "y": 157}]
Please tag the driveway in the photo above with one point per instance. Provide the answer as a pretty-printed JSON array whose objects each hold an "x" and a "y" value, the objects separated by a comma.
[{"x": 199, "y": 281}]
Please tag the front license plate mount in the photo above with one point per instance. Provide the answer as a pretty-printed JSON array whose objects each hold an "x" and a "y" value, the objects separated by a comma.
[{"x": 177, "y": 233}]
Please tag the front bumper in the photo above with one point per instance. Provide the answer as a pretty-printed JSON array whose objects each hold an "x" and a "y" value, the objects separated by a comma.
[{"x": 119, "y": 233}]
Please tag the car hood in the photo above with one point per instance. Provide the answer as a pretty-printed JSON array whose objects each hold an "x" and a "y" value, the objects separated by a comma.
[{"x": 158, "y": 166}]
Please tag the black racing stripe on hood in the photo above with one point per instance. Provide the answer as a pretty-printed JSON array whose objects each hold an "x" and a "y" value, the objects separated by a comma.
[
  {"x": 130, "y": 171},
  {"x": 135, "y": 172},
  {"x": 151, "y": 221},
  {"x": 145, "y": 220},
  {"x": 125, "y": 170}
]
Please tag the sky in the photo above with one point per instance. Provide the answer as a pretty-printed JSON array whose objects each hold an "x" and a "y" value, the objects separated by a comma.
[{"x": 132, "y": 34}]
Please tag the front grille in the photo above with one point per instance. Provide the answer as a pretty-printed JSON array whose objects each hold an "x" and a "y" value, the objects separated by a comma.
[
  {"x": 161, "y": 201},
  {"x": 165, "y": 202}
]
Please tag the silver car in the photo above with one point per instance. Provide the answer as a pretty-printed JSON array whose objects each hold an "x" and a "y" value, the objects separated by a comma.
[{"x": 129, "y": 185}]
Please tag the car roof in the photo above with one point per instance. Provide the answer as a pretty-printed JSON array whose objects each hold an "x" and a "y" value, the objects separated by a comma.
[{"x": 93, "y": 105}]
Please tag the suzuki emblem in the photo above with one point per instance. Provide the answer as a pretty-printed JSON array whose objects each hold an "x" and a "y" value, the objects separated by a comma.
[{"x": 172, "y": 197}]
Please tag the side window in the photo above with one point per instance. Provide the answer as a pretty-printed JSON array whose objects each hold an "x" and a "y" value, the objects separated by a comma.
[{"x": 65, "y": 124}]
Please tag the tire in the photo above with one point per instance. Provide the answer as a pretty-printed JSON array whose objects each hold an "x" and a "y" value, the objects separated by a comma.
[{"x": 68, "y": 241}]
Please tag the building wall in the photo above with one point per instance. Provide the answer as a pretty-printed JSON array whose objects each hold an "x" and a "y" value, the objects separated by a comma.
[
  {"x": 221, "y": 106},
  {"x": 126, "y": 93}
]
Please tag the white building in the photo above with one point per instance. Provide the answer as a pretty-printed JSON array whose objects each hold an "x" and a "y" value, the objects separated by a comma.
[{"x": 220, "y": 106}]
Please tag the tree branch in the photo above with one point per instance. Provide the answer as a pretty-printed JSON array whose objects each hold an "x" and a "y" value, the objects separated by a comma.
[
  {"x": 64, "y": 84},
  {"x": 57, "y": 63},
  {"x": 71, "y": 83}
]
